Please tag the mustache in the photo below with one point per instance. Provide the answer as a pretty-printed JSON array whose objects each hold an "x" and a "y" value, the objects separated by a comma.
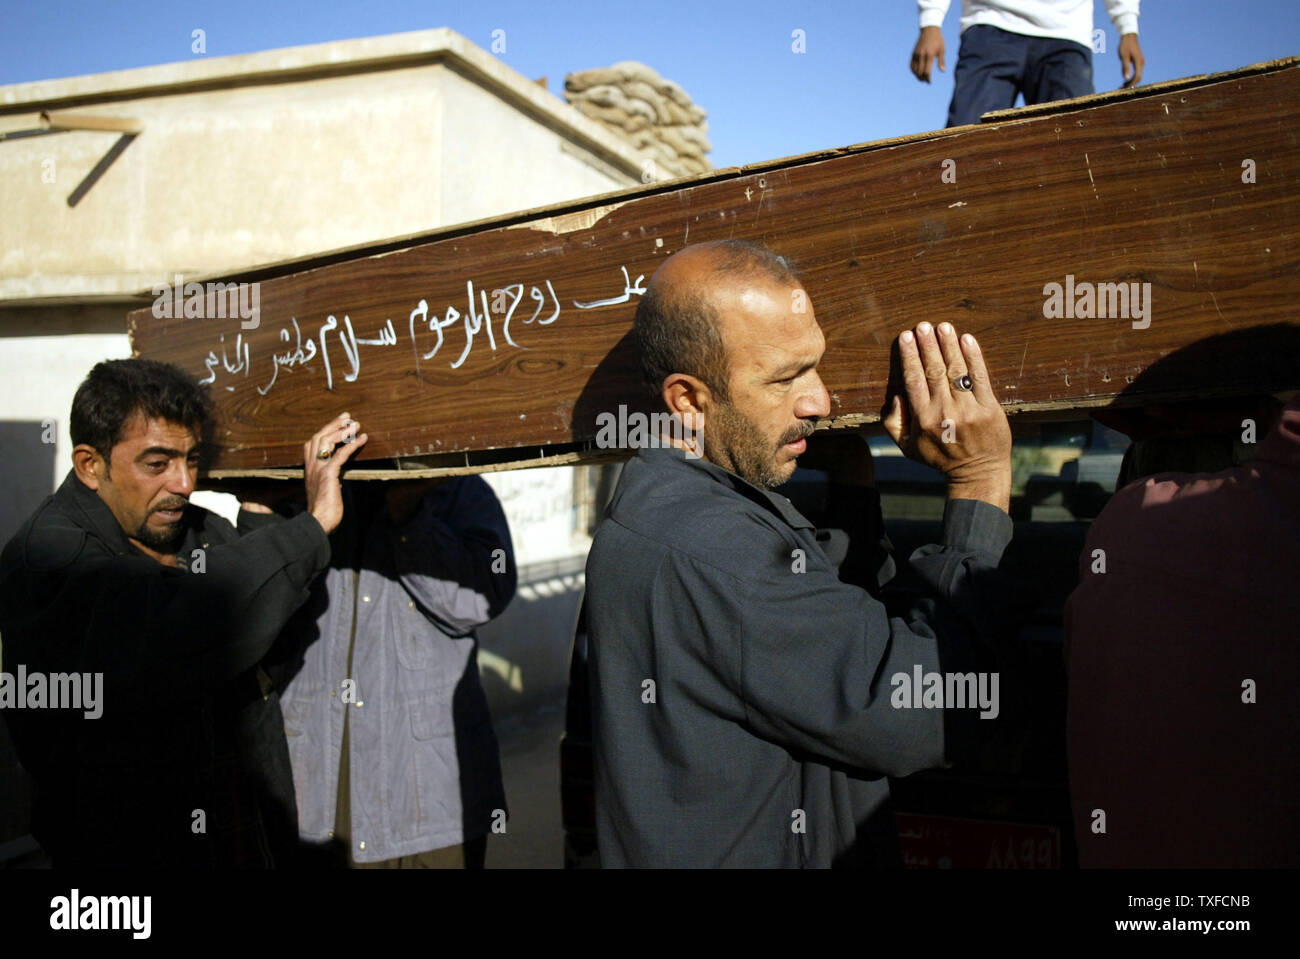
[
  {"x": 794, "y": 434},
  {"x": 171, "y": 505}
]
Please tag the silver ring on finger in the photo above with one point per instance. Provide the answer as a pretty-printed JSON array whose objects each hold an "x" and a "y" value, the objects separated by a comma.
[
  {"x": 325, "y": 453},
  {"x": 963, "y": 383}
]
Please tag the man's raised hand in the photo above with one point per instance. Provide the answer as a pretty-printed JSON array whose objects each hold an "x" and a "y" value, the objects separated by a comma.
[
  {"x": 323, "y": 457},
  {"x": 963, "y": 433}
]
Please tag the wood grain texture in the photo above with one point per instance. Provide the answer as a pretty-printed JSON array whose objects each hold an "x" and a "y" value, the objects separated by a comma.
[{"x": 1136, "y": 190}]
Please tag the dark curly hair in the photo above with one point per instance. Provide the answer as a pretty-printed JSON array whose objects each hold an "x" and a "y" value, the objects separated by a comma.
[{"x": 115, "y": 390}]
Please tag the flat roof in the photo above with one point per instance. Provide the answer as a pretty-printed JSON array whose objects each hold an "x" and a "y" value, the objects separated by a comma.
[{"x": 335, "y": 58}]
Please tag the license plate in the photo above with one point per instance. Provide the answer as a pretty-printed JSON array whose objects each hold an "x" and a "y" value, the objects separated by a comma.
[{"x": 942, "y": 842}]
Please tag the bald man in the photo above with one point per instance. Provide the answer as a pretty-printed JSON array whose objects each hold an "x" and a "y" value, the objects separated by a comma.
[{"x": 747, "y": 702}]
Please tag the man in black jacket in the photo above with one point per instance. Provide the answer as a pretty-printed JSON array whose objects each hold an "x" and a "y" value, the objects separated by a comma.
[{"x": 168, "y": 610}]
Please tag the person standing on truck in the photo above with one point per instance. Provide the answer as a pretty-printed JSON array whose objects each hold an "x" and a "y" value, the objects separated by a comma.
[{"x": 1041, "y": 49}]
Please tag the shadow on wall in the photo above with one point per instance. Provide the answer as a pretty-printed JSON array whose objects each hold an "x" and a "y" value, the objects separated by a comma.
[
  {"x": 26, "y": 471},
  {"x": 524, "y": 653}
]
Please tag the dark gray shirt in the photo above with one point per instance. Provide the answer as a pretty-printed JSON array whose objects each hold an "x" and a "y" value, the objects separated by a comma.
[{"x": 741, "y": 694}]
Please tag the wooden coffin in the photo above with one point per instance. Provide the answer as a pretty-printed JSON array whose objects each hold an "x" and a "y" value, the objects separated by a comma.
[{"x": 1113, "y": 249}]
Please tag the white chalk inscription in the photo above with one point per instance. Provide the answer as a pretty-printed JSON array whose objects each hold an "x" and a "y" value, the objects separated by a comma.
[{"x": 425, "y": 328}]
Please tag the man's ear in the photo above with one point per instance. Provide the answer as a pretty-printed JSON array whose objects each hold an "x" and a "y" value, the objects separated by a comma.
[
  {"x": 689, "y": 398},
  {"x": 89, "y": 465}
]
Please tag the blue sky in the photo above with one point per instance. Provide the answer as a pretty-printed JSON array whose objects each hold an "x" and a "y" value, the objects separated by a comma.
[{"x": 734, "y": 58}]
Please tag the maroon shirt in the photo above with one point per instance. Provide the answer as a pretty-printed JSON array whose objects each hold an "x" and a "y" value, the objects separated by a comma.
[{"x": 1201, "y": 592}]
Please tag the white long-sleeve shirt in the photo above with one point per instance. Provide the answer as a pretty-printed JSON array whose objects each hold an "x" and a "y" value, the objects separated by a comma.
[{"x": 1066, "y": 19}]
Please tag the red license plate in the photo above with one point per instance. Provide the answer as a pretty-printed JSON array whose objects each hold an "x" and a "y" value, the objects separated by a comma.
[{"x": 942, "y": 842}]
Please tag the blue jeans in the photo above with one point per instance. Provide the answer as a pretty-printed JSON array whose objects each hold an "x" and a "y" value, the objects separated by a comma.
[{"x": 994, "y": 65}]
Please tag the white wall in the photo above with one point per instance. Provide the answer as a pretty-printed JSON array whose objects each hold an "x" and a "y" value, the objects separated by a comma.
[
  {"x": 40, "y": 374},
  {"x": 496, "y": 159},
  {"x": 222, "y": 180},
  {"x": 539, "y": 505}
]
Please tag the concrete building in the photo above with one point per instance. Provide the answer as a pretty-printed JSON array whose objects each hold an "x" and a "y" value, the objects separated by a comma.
[{"x": 114, "y": 183}]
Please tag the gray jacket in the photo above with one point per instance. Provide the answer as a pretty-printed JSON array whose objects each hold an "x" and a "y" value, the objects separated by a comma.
[
  {"x": 741, "y": 691},
  {"x": 424, "y": 765}
]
